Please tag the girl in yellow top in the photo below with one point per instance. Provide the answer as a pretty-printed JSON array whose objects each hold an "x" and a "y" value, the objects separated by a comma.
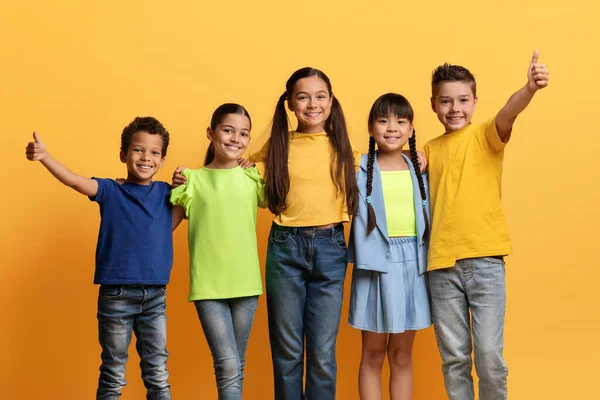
[
  {"x": 311, "y": 188},
  {"x": 220, "y": 201}
]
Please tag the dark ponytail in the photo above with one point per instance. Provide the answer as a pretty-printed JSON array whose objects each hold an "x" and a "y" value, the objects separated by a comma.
[
  {"x": 210, "y": 154},
  {"x": 277, "y": 176},
  {"x": 217, "y": 117},
  {"x": 371, "y": 218},
  {"x": 412, "y": 143},
  {"x": 342, "y": 163}
]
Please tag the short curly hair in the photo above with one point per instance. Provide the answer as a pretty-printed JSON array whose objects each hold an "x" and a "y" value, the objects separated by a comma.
[
  {"x": 451, "y": 73},
  {"x": 145, "y": 124}
]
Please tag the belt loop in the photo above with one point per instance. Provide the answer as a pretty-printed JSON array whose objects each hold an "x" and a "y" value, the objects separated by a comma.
[{"x": 294, "y": 231}]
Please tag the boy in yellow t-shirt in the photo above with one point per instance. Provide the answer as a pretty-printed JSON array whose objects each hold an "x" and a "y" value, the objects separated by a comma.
[{"x": 469, "y": 237}]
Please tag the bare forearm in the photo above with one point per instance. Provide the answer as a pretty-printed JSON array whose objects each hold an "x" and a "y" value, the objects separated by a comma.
[
  {"x": 82, "y": 184},
  {"x": 514, "y": 106}
]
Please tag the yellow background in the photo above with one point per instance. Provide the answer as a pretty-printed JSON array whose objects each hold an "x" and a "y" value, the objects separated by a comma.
[{"x": 79, "y": 71}]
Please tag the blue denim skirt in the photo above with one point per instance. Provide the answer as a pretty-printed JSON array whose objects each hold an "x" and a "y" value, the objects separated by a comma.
[{"x": 391, "y": 302}]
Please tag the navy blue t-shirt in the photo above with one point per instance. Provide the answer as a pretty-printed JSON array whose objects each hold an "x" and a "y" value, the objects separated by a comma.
[{"x": 135, "y": 243}]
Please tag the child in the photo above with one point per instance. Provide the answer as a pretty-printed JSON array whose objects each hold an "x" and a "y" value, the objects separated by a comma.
[
  {"x": 311, "y": 189},
  {"x": 388, "y": 248},
  {"x": 469, "y": 237},
  {"x": 220, "y": 201},
  {"x": 132, "y": 267}
]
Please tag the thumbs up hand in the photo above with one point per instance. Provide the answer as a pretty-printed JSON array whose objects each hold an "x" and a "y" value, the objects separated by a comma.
[
  {"x": 537, "y": 75},
  {"x": 36, "y": 150}
]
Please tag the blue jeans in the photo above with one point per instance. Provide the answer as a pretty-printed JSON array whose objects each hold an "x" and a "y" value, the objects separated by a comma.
[
  {"x": 306, "y": 268},
  {"x": 476, "y": 285},
  {"x": 226, "y": 324},
  {"x": 123, "y": 309}
]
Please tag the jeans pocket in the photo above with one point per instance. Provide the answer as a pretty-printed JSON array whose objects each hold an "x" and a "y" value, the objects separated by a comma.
[
  {"x": 280, "y": 236},
  {"x": 340, "y": 240},
  {"x": 495, "y": 260},
  {"x": 111, "y": 291}
]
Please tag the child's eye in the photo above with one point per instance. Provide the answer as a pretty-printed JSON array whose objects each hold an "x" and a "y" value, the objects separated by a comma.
[
  {"x": 156, "y": 153},
  {"x": 464, "y": 100},
  {"x": 322, "y": 96},
  {"x": 245, "y": 134},
  {"x": 137, "y": 150},
  {"x": 445, "y": 101},
  {"x": 227, "y": 130},
  {"x": 382, "y": 121},
  {"x": 302, "y": 98}
]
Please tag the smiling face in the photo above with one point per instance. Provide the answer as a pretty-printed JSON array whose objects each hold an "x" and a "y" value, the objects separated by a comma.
[
  {"x": 143, "y": 157},
  {"x": 311, "y": 103},
  {"x": 454, "y": 104},
  {"x": 230, "y": 139},
  {"x": 391, "y": 133}
]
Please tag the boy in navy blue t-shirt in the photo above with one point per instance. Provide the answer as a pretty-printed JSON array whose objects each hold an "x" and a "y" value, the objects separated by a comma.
[{"x": 134, "y": 255}]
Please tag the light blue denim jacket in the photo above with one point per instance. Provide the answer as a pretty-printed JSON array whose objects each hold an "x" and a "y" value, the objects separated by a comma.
[{"x": 373, "y": 252}]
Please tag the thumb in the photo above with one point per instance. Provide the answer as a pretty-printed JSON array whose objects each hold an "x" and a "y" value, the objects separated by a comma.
[
  {"x": 36, "y": 138},
  {"x": 535, "y": 56}
]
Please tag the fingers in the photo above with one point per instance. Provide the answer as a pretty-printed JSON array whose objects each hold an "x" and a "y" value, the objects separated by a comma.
[
  {"x": 178, "y": 178},
  {"x": 36, "y": 137},
  {"x": 33, "y": 151},
  {"x": 242, "y": 162},
  {"x": 540, "y": 74}
]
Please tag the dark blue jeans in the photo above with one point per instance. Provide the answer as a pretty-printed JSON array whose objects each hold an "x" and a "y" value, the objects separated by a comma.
[
  {"x": 123, "y": 309},
  {"x": 306, "y": 268}
]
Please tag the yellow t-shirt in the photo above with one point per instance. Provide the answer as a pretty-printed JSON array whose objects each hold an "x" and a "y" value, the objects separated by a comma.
[
  {"x": 313, "y": 199},
  {"x": 465, "y": 178}
]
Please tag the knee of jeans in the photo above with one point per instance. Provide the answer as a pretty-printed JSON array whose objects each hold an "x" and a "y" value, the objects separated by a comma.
[
  {"x": 374, "y": 357},
  {"x": 228, "y": 370},
  {"x": 490, "y": 364}
]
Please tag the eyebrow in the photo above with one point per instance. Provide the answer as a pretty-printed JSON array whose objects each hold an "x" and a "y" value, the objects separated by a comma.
[{"x": 319, "y": 92}]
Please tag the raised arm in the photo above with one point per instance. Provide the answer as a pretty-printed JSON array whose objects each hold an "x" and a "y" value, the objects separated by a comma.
[
  {"x": 537, "y": 78},
  {"x": 36, "y": 151}
]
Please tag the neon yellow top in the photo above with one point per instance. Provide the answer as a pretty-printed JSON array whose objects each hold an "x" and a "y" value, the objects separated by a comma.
[
  {"x": 312, "y": 199},
  {"x": 465, "y": 182},
  {"x": 221, "y": 207},
  {"x": 399, "y": 203}
]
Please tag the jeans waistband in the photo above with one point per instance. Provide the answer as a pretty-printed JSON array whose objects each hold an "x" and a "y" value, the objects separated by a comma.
[{"x": 310, "y": 231}]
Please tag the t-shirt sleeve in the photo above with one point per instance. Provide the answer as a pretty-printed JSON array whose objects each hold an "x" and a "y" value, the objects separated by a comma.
[
  {"x": 260, "y": 158},
  {"x": 105, "y": 186},
  {"x": 492, "y": 138},
  {"x": 357, "y": 156},
  {"x": 183, "y": 195},
  {"x": 260, "y": 186}
]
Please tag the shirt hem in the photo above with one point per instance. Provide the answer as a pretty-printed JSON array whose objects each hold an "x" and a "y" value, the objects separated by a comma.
[
  {"x": 491, "y": 253},
  {"x": 225, "y": 296}
]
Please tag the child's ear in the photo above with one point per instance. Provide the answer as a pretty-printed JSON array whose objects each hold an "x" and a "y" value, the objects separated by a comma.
[
  {"x": 475, "y": 102},
  {"x": 290, "y": 105},
  {"x": 123, "y": 156},
  {"x": 162, "y": 162},
  {"x": 209, "y": 134},
  {"x": 432, "y": 99}
]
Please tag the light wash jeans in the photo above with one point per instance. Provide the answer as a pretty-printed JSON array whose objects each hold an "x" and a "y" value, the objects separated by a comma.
[
  {"x": 306, "y": 268},
  {"x": 123, "y": 309},
  {"x": 476, "y": 285},
  {"x": 226, "y": 324}
]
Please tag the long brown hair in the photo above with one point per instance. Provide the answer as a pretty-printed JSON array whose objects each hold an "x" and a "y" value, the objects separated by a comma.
[{"x": 342, "y": 163}]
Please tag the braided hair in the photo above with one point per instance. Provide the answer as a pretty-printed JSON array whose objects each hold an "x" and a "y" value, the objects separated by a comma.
[{"x": 385, "y": 106}]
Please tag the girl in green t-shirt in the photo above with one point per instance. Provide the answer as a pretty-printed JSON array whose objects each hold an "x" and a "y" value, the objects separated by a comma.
[{"x": 220, "y": 201}]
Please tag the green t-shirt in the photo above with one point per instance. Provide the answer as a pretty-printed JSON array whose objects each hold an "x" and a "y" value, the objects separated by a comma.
[{"x": 221, "y": 207}]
